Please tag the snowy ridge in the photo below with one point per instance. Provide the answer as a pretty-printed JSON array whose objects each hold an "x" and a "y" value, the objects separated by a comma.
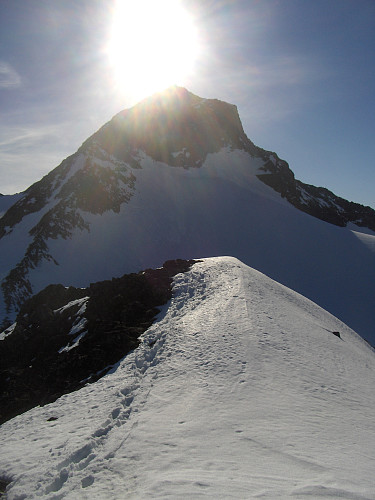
[{"x": 241, "y": 390}]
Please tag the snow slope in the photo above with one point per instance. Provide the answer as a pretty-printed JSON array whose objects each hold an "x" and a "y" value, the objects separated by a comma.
[
  {"x": 221, "y": 208},
  {"x": 241, "y": 390}
]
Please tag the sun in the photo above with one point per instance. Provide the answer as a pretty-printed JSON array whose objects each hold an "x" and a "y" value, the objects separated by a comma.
[{"x": 153, "y": 44}]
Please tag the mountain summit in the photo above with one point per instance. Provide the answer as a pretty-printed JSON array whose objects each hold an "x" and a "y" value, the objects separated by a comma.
[{"x": 176, "y": 177}]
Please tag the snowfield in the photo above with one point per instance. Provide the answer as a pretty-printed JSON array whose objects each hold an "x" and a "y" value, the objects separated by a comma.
[
  {"x": 240, "y": 390},
  {"x": 221, "y": 208}
]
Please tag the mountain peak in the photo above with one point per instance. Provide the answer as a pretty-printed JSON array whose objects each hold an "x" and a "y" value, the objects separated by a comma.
[
  {"x": 175, "y": 176},
  {"x": 172, "y": 93},
  {"x": 176, "y": 127}
]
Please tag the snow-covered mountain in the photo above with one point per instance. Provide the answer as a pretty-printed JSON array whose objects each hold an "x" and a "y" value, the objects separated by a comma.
[
  {"x": 176, "y": 177},
  {"x": 242, "y": 389}
]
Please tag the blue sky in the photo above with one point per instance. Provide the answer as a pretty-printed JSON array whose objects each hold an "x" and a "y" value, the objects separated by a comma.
[{"x": 302, "y": 73}]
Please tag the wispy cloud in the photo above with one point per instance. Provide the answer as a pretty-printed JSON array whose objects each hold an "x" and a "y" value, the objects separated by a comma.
[
  {"x": 284, "y": 71},
  {"x": 9, "y": 78},
  {"x": 33, "y": 143},
  {"x": 24, "y": 137}
]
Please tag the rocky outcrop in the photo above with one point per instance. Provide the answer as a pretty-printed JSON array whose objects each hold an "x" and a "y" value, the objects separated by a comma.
[
  {"x": 316, "y": 201},
  {"x": 64, "y": 337}
]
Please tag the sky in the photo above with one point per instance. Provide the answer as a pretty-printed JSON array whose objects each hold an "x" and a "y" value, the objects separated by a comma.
[{"x": 301, "y": 72}]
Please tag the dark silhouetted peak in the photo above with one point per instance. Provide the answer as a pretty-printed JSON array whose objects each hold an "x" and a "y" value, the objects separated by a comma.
[{"x": 175, "y": 127}]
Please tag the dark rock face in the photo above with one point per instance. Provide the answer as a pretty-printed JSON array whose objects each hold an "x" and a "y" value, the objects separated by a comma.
[
  {"x": 175, "y": 127},
  {"x": 101, "y": 184},
  {"x": 316, "y": 201},
  {"x": 3, "y": 485},
  {"x": 66, "y": 337}
]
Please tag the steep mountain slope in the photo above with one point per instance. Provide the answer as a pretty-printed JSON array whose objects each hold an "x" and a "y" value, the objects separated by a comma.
[
  {"x": 176, "y": 177},
  {"x": 243, "y": 389},
  {"x": 66, "y": 337}
]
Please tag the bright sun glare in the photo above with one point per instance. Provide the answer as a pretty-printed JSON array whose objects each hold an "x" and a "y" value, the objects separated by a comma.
[{"x": 153, "y": 44}]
